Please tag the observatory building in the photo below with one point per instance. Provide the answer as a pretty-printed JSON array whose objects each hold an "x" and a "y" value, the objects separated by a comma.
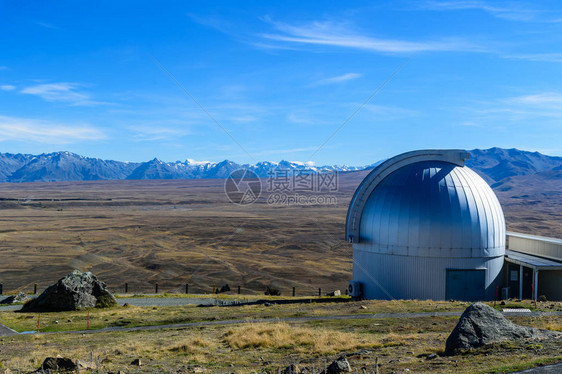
[{"x": 425, "y": 226}]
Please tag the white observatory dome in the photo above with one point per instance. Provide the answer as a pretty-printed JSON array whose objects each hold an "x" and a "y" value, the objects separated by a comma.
[{"x": 423, "y": 225}]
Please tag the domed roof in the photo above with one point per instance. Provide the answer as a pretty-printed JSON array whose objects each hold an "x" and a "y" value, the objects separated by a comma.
[{"x": 431, "y": 208}]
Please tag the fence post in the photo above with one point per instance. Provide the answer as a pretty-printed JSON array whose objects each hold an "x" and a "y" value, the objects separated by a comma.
[
  {"x": 294, "y": 291},
  {"x": 126, "y": 287},
  {"x": 35, "y": 288},
  {"x": 238, "y": 290},
  {"x": 1, "y": 288},
  {"x": 319, "y": 292},
  {"x": 186, "y": 288},
  {"x": 214, "y": 289},
  {"x": 156, "y": 288}
]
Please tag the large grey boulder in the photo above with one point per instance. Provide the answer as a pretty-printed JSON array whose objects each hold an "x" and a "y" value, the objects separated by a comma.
[
  {"x": 481, "y": 324},
  {"x": 75, "y": 291}
]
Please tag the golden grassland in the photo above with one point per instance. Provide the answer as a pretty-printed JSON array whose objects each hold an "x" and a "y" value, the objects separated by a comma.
[
  {"x": 174, "y": 232},
  {"x": 396, "y": 343}
]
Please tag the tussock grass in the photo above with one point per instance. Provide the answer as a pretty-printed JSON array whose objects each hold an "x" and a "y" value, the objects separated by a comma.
[
  {"x": 553, "y": 324},
  {"x": 195, "y": 345},
  {"x": 296, "y": 338}
]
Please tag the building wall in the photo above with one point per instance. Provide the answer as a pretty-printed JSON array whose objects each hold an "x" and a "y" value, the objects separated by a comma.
[
  {"x": 550, "y": 284},
  {"x": 544, "y": 247},
  {"x": 387, "y": 276}
]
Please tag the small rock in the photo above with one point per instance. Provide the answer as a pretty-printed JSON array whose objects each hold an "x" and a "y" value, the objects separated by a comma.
[
  {"x": 340, "y": 365},
  {"x": 19, "y": 298},
  {"x": 363, "y": 307},
  {"x": 292, "y": 369},
  {"x": 198, "y": 369},
  {"x": 88, "y": 365},
  {"x": 431, "y": 356},
  {"x": 502, "y": 303},
  {"x": 57, "y": 363},
  {"x": 136, "y": 362},
  {"x": 334, "y": 293}
]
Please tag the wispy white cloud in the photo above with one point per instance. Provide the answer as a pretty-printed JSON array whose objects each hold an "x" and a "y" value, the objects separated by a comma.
[
  {"x": 300, "y": 117},
  {"x": 283, "y": 151},
  {"x": 387, "y": 113},
  {"x": 545, "y": 57},
  {"x": 244, "y": 118},
  {"x": 47, "y": 25},
  {"x": 7, "y": 87},
  {"x": 25, "y": 129},
  {"x": 65, "y": 92},
  {"x": 156, "y": 132},
  {"x": 337, "y": 79},
  {"x": 515, "y": 11},
  {"x": 340, "y": 35},
  {"x": 548, "y": 100},
  {"x": 539, "y": 108}
]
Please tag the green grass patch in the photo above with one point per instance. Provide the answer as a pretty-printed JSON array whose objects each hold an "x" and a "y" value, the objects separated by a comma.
[{"x": 525, "y": 365}]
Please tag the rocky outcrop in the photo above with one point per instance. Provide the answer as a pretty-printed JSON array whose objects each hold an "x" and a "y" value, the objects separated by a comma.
[
  {"x": 481, "y": 324},
  {"x": 75, "y": 291},
  {"x": 15, "y": 299}
]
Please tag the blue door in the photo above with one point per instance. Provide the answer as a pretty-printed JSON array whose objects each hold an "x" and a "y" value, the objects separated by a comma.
[{"x": 465, "y": 285}]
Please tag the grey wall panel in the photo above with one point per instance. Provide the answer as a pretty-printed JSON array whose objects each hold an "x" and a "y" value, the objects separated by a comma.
[
  {"x": 550, "y": 284},
  {"x": 385, "y": 276}
]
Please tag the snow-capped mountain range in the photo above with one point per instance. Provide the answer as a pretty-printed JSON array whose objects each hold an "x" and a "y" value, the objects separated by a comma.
[
  {"x": 67, "y": 166},
  {"x": 496, "y": 165}
]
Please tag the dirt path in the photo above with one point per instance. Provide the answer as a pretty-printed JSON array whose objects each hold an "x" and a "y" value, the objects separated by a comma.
[{"x": 6, "y": 331}]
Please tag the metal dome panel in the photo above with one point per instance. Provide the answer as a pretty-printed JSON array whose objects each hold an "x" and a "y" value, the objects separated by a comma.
[{"x": 435, "y": 209}]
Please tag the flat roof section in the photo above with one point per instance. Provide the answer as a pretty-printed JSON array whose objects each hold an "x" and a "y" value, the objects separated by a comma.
[
  {"x": 534, "y": 237},
  {"x": 530, "y": 261}
]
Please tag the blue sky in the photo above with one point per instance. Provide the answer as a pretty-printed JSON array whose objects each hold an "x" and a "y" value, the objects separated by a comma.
[{"x": 333, "y": 82}]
